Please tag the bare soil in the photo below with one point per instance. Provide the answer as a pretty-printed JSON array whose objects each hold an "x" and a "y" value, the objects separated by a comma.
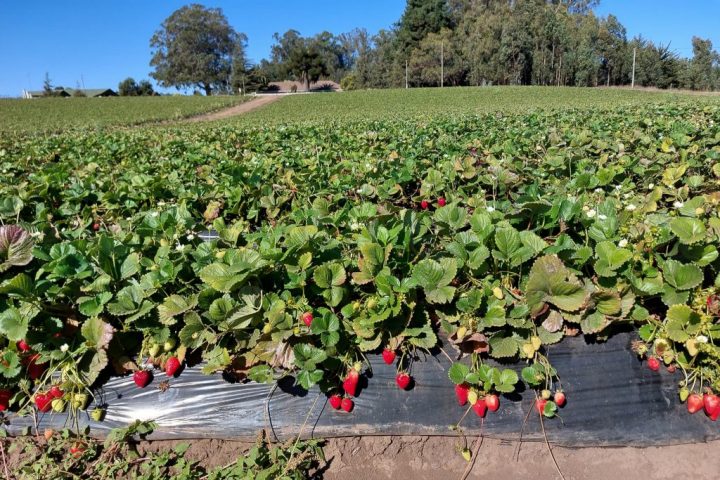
[
  {"x": 430, "y": 458},
  {"x": 244, "y": 107}
]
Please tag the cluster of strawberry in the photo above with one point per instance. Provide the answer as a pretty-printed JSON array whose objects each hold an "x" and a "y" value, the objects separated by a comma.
[
  {"x": 707, "y": 401},
  {"x": 424, "y": 204},
  {"x": 352, "y": 379},
  {"x": 558, "y": 397},
  {"x": 480, "y": 404},
  {"x": 143, "y": 377},
  {"x": 349, "y": 385},
  {"x": 34, "y": 369}
]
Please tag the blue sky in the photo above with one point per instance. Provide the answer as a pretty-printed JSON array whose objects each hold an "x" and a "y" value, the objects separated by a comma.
[{"x": 101, "y": 42}]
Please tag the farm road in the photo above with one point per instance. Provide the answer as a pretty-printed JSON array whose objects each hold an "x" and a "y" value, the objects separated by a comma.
[{"x": 244, "y": 107}]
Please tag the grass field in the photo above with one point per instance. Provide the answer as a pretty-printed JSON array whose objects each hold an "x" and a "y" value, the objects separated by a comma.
[
  {"x": 427, "y": 102},
  {"x": 56, "y": 114}
]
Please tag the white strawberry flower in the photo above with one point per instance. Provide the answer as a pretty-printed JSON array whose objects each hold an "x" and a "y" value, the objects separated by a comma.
[
  {"x": 622, "y": 243},
  {"x": 678, "y": 204},
  {"x": 64, "y": 347},
  {"x": 618, "y": 187},
  {"x": 191, "y": 236},
  {"x": 598, "y": 190},
  {"x": 155, "y": 214},
  {"x": 591, "y": 213},
  {"x": 490, "y": 209},
  {"x": 630, "y": 207},
  {"x": 701, "y": 338},
  {"x": 651, "y": 186}
]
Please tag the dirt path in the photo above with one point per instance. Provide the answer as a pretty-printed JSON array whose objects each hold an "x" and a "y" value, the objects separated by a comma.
[
  {"x": 431, "y": 458},
  {"x": 244, "y": 107}
]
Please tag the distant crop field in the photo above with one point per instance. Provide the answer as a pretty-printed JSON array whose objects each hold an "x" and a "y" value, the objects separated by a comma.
[
  {"x": 433, "y": 102},
  {"x": 58, "y": 114}
]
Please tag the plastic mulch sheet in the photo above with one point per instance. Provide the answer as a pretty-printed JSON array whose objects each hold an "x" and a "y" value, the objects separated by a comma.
[{"x": 613, "y": 400}]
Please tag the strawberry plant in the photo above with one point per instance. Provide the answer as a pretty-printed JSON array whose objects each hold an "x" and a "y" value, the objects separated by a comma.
[{"x": 267, "y": 252}]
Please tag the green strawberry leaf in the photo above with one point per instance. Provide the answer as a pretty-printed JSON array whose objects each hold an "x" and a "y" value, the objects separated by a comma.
[
  {"x": 550, "y": 282},
  {"x": 458, "y": 372},
  {"x": 682, "y": 276},
  {"x": 688, "y": 230},
  {"x": 610, "y": 258}
]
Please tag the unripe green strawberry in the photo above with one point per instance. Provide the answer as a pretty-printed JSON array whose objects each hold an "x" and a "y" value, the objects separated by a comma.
[
  {"x": 154, "y": 350},
  {"x": 546, "y": 394},
  {"x": 466, "y": 454},
  {"x": 98, "y": 414},
  {"x": 58, "y": 405},
  {"x": 169, "y": 344},
  {"x": 684, "y": 394},
  {"x": 80, "y": 401}
]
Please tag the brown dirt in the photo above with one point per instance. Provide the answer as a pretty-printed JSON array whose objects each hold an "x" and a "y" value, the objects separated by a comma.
[
  {"x": 430, "y": 458},
  {"x": 244, "y": 107}
]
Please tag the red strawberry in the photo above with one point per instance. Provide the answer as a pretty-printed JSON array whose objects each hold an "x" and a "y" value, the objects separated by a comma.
[
  {"x": 388, "y": 356},
  {"x": 653, "y": 364},
  {"x": 671, "y": 368},
  {"x": 694, "y": 403},
  {"x": 540, "y": 405},
  {"x": 142, "y": 378},
  {"x": 23, "y": 346},
  {"x": 335, "y": 401},
  {"x": 480, "y": 407},
  {"x": 77, "y": 450},
  {"x": 351, "y": 382},
  {"x": 347, "y": 404},
  {"x": 35, "y": 370},
  {"x": 307, "y": 318},
  {"x": 43, "y": 402},
  {"x": 493, "y": 402},
  {"x": 96, "y": 226},
  {"x": 461, "y": 392},
  {"x": 559, "y": 399},
  {"x": 711, "y": 402},
  {"x": 55, "y": 392},
  {"x": 403, "y": 380},
  {"x": 172, "y": 366},
  {"x": 5, "y": 399},
  {"x": 424, "y": 204},
  {"x": 441, "y": 202}
]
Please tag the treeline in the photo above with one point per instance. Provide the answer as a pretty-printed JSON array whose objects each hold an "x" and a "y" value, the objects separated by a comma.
[{"x": 490, "y": 42}]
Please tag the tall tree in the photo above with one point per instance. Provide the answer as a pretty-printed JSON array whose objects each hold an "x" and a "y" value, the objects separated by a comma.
[
  {"x": 128, "y": 88},
  {"x": 702, "y": 66},
  {"x": 306, "y": 62},
  {"x": 420, "y": 18},
  {"x": 195, "y": 47}
]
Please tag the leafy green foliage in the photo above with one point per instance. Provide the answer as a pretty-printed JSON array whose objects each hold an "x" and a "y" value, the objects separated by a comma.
[{"x": 543, "y": 234}]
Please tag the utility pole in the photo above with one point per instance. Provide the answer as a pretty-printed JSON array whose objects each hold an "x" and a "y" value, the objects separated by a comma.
[
  {"x": 406, "y": 74},
  {"x": 633, "y": 73},
  {"x": 442, "y": 64}
]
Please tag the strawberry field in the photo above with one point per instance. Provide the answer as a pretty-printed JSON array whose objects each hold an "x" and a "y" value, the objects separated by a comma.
[{"x": 300, "y": 251}]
